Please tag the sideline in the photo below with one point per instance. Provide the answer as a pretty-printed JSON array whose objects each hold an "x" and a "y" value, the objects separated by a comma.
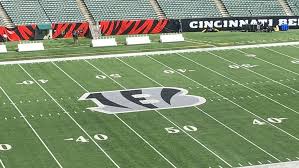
[
  {"x": 294, "y": 164},
  {"x": 146, "y": 53}
]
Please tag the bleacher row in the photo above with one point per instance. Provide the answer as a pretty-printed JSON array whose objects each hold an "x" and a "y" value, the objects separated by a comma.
[{"x": 54, "y": 11}]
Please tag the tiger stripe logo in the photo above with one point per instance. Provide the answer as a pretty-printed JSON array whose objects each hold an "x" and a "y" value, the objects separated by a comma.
[{"x": 144, "y": 99}]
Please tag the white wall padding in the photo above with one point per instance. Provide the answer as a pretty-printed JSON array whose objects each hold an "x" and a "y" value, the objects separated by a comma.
[
  {"x": 3, "y": 48},
  {"x": 31, "y": 47},
  {"x": 138, "y": 40},
  {"x": 170, "y": 38},
  {"x": 104, "y": 42}
]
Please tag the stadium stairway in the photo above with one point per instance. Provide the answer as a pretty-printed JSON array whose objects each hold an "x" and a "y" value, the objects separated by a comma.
[
  {"x": 93, "y": 25},
  {"x": 158, "y": 9},
  {"x": 84, "y": 10},
  {"x": 294, "y": 5},
  {"x": 5, "y": 18},
  {"x": 286, "y": 7},
  {"x": 221, "y": 7}
]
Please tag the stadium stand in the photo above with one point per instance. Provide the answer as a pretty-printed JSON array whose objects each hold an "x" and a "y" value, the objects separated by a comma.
[
  {"x": 120, "y": 9},
  {"x": 24, "y": 12},
  {"x": 254, "y": 8},
  {"x": 5, "y": 19},
  {"x": 189, "y": 8},
  {"x": 294, "y": 5},
  {"x": 62, "y": 10}
]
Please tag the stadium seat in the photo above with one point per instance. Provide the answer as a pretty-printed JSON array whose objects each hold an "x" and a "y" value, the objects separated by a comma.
[
  {"x": 120, "y": 9},
  {"x": 189, "y": 8},
  {"x": 254, "y": 8},
  {"x": 294, "y": 5},
  {"x": 62, "y": 10},
  {"x": 24, "y": 12}
]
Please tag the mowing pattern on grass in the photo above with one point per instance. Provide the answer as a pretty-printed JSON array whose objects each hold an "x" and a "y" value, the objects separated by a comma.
[{"x": 250, "y": 116}]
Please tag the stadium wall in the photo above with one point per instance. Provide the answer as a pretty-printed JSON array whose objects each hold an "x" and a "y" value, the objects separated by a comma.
[
  {"x": 149, "y": 26},
  {"x": 65, "y": 30},
  {"x": 237, "y": 23},
  {"x": 191, "y": 25},
  {"x": 59, "y": 30},
  {"x": 19, "y": 33}
]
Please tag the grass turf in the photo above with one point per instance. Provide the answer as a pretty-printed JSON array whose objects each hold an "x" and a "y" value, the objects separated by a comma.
[
  {"x": 66, "y": 48},
  {"x": 225, "y": 135}
]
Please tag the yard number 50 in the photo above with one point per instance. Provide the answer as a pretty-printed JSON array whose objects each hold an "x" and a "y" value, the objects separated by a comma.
[{"x": 188, "y": 128}]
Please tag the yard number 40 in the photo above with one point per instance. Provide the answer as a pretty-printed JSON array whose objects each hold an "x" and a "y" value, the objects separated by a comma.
[
  {"x": 271, "y": 120},
  {"x": 30, "y": 82}
]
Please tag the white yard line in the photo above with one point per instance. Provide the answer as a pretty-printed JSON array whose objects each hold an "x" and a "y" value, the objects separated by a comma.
[
  {"x": 293, "y": 164},
  {"x": 263, "y": 76},
  {"x": 220, "y": 95},
  {"x": 146, "y": 53},
  {"x": 246, "y": 86},
  {"x": 2, "y": 164},
  {"x": 281, "y": 53},
  {"x": 106, "y": 154},
  {"x": 230, "y": 129},
  {"x": 33, "y": 130},
  {"x": 197, "y": 141},
  {"x": 269, "y": 63},
  {"x": 127, "y": 125}
]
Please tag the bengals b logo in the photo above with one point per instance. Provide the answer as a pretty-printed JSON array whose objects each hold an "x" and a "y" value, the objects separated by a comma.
[{"x": 144, "y": 99}]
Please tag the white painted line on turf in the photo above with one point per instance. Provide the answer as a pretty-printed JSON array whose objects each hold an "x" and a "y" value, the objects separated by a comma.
[
  {"x": 227, "y": 127},
  {"x": 135, "y": 132},
  {"x": 172, "y": 121},
  {"x": 246, "y": 86},
  {"x": 291, "y": 164},
  {"x": 167, "y": 119},
  {"x": 33, "y": 130},
  {"x": 241, "y": 107},
  {"x": 2, "y": 164},
  {"x": 281, "y": 53},
  {"x": 146, "y": 53},
  {"x": 146, "y": 141},
  {"x": 254, "y": 72},
  {"x": 270, "y": 63},
  {"x": 242, "y": 84},
  {"x": 106, "y": 154}
]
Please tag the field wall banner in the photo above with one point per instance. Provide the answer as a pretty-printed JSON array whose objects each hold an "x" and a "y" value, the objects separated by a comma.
[
  {"x": 60, "y": 30},
  {"x": 191, "y": 25},
  {"x": 148, "y": 26},
  {"x": 236, "y": 23},
  {"x": 65, "y": 30},
  {"x": 18, "y": 33}
]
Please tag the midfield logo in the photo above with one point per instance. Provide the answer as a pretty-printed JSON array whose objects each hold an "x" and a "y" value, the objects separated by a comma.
[{"x": 144, "y": 99}]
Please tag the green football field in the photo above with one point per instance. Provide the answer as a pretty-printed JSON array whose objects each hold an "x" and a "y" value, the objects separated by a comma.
[{"x": 250, "y": 116}]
